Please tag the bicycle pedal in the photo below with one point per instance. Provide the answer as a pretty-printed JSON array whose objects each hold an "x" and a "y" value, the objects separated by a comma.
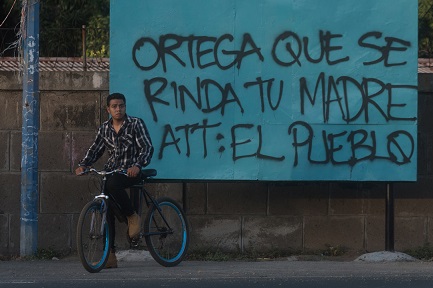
[{"x": 135, "y": 242}]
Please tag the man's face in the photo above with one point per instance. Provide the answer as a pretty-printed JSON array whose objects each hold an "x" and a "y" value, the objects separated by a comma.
[{"x": 117, "y": 109}]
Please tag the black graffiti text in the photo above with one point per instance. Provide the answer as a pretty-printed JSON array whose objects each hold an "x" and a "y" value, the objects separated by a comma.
[
  {"x": 392, "y": 44},
  {"x": 207, "y": 95},
  {"x": 202, "y": 51},
  {"x": 334, "y": 97},
  {"x": 257, "y": 150},
  {"x": 169, "y": 138},
  {"x": 286, "y": 54},
  {"x": 362, "y": 144}
]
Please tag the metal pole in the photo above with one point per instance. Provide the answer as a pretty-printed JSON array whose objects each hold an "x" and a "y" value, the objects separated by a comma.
[
  {"x": 30, "y": 128},
  {"x": 389, "y": 218},
  {"x": 83, "y": 40}
]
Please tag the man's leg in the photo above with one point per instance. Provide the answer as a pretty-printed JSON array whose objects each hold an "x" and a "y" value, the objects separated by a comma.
[{"x": 115, "y": 186}]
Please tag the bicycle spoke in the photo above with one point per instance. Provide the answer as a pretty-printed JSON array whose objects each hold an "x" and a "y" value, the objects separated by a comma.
[
  {"x": 167, "y": 233},
  {"x": 93, "y": 237}
]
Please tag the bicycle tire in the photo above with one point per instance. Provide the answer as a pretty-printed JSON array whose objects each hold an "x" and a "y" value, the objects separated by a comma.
[
  {"x": 168, "y": 249},
  {"x": 93, "y": 243}
]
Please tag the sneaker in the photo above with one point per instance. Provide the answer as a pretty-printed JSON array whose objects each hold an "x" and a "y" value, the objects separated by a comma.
[
  {"x": 112, "y": 261},
  {"x": 133, "y": 225}
]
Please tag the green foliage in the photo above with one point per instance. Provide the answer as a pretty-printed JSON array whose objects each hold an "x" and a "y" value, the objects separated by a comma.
[
  {"x": 98, "y": 37},
  {"x": 334, "y": 250},
  {"x": 46, "y": 254},
  {"x": 422, "y": 253},
  {"x": 425, "y": 28},
  {"x": 61, "y": 22}
]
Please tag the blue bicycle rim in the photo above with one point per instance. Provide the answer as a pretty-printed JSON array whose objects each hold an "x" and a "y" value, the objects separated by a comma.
[{"x": 183, "y": 232}]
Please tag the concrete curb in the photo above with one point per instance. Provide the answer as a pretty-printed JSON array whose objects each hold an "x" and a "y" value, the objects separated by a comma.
[
  {"x": 382, "y": 256},
  {"x": 133, "y": 255},
  {"x": 385, "y": 256}
]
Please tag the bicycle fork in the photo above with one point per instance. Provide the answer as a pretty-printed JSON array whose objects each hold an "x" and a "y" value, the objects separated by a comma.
[{"x": 102, "y": 198}]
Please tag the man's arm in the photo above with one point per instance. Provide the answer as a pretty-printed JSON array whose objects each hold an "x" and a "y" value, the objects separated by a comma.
[{"x": 95, "y": 151}]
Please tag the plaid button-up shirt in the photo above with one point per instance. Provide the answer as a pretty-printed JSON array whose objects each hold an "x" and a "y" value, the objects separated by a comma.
[{"x": 130, "y": 146}]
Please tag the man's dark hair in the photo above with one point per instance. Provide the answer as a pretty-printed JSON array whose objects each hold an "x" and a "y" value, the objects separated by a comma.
[{"x": 112, "y": 96}]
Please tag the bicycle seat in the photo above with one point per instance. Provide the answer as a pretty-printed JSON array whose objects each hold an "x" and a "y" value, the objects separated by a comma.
[{"x": 146, "y": 173}]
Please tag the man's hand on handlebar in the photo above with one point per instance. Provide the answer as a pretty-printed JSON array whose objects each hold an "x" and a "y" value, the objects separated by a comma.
[
  {"x": 133, "y": 171},
  {"x": 80, "y": 170}
]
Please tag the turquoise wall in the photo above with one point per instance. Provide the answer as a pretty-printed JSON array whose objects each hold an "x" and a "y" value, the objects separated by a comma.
[{"x": 271, "y": 89}]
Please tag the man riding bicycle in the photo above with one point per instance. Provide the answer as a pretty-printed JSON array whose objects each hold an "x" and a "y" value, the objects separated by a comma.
[{"x": 130, "y": 148}]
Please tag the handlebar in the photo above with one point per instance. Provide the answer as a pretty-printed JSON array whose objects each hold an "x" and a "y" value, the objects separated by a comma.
[
  {"x": 103, "y": 172},
  {"x": 144, "y": 173}
]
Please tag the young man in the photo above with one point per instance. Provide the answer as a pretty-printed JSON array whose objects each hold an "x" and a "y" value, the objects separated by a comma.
[{"x": 129, "y": 147}]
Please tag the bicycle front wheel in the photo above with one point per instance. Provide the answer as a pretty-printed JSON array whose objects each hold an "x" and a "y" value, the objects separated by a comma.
[
  {"x": 93, "y": 236},
  {"x": 166, "y": 232}
]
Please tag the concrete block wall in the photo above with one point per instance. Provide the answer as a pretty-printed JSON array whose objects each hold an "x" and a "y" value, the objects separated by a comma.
[{"x": 224, "y": 216}]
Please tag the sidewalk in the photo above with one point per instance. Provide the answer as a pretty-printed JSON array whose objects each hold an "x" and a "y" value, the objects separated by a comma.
[{"x": 138, "y": 266}]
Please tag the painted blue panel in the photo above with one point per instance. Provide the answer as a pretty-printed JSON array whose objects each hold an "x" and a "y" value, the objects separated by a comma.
[{"x": 271, "y": 89}]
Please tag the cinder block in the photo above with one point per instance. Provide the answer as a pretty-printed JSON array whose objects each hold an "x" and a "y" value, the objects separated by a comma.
[
  {"x": 298, "y": 198},
  {"x": 357, "y": 198},
  {"x": 55, "y": 232},
  {"x": 237, "y": 198},
  {"x": 66, "y": 192},
  {"x": 15, "y": 151},
  {"x": 104, "y": 113},
  {"x": 425, "y": 153},
  {"x": 425, "y": 83},
  {"x": 374, "y": 198},
  {"x": 196, "y": 198},
  {"x": 54, "y": 151},
  {"x": 68, "y": 110},
  {"x": 4, "y": 234},
  {"x": 82, "y": 80},
  {"x": 10, "y": 81},
  {"x": 10, "y": 117},
  {"x": 10, "y": 191},
  {"x": 410, "y": 232},
  {"x": 345, "y": 199},
  {"x": 413, "y": 199},
  {"x": 215, "y": 233},
  {"x": 14, "y": 234},
  {"x": 424, "y": 114},
  {"x": 9, "y": 234},
  {"x": 345, "y": 231},
  {"x": 4, "y": 150},
  {"x": 429, "y": 230},
  {"x": 81, "y": 141},
  {"x": 74, "y": 223},
  {"x": 171, "y": 190},
  {"x": 375, "y": 233},
  {"x": 272, "y": 233}
]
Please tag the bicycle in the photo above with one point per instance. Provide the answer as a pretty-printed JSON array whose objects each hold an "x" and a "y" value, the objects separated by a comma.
[{"x": 165, "y": 228}]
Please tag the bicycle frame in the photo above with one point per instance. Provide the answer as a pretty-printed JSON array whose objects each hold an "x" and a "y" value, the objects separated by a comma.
[
  {"x": 155, "y": 229},
  {"x": 144, "y": 195}
]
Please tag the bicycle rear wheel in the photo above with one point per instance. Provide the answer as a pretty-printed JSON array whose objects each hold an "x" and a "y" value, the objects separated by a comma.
[
  {"x": 93, "y": 236},
  {"x": 166, "y": 232}
]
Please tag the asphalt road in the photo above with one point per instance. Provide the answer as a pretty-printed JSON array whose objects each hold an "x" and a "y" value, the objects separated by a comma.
[{"x": 298, "y": 274}]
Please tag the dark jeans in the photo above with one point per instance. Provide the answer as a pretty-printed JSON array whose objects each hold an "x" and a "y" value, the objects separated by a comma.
[{"x": 115, "y": 187}]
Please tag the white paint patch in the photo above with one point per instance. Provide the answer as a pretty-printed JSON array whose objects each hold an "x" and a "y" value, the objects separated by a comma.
[{"x": 97, "y": 80}]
